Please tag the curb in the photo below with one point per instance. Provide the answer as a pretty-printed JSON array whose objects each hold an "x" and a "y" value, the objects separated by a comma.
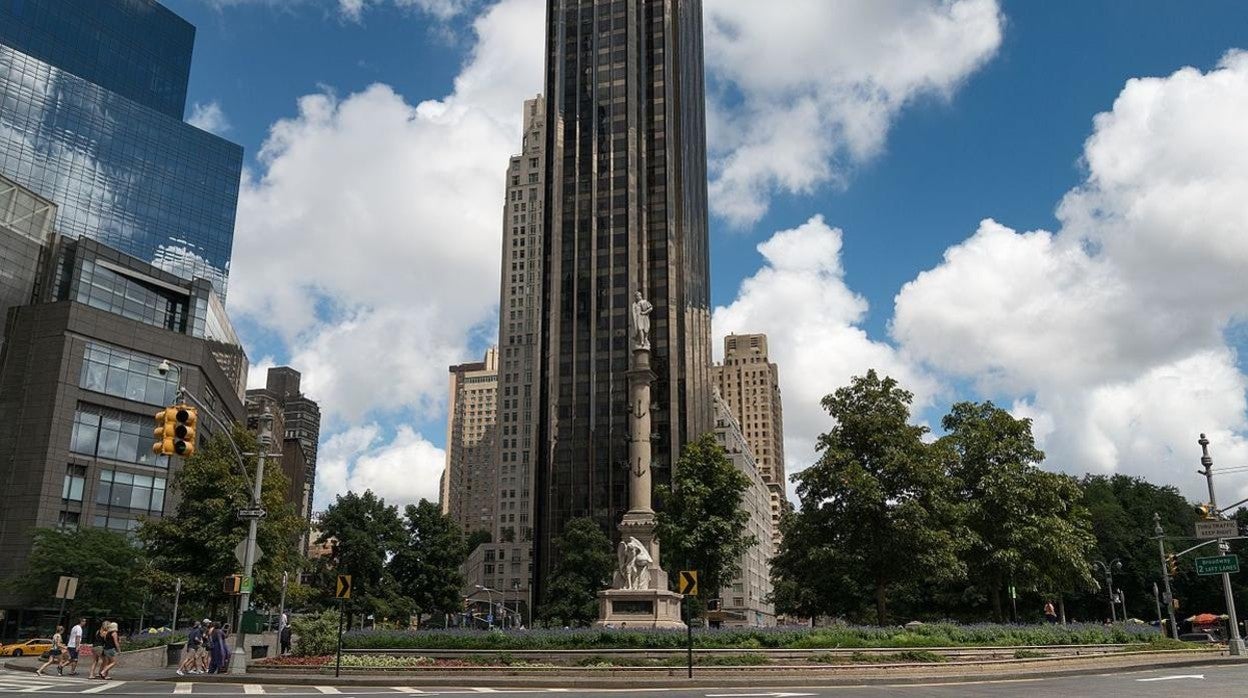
[{"x": 802, "y": 680}]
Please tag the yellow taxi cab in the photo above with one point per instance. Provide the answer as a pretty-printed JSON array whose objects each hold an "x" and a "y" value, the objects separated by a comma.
[{"x": 27, "y": 648}]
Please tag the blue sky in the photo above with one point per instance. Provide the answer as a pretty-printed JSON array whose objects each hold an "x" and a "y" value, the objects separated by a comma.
[{"x": 973, "y": 110}]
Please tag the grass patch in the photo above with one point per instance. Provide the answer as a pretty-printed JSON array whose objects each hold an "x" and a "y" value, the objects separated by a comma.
[
  {"x": 906, "y": 657},
  {"x": 1029, "y": 654},
  {"x": 1162, "y": 643}
]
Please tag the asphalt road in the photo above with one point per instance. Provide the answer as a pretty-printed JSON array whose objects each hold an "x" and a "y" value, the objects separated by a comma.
[{"x": 1170, "y": 683}]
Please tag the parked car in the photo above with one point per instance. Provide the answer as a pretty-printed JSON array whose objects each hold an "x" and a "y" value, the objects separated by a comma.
[
  {"x": 1206, "y": 638},
  {"x": 27, "y": 648}
]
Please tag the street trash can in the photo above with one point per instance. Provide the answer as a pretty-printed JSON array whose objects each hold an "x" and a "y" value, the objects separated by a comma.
[{"x": 173, "y": 653}]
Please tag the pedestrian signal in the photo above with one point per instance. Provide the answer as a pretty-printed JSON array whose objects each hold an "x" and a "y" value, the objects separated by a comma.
[
  {"x": 1172, "y": 565},
  {"x": 233, "y": 584}
]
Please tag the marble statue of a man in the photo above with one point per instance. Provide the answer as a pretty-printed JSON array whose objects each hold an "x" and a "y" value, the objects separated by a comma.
[{"x": 641, "y": 322}]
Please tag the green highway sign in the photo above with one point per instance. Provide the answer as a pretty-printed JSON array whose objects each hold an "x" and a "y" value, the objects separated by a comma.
[{"x": 1222, "y": 564}]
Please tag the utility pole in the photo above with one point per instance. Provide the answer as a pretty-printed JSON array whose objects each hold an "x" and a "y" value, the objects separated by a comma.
[
  {"x": 1160, "y": 534},
  {"x": 177, "y": 596},
  {"x": 1157, "y": 600},
  {"x": 1108, "y": 569},
  {"x": 1236, "y": 644},
  {"x": 238, "y": 663}
]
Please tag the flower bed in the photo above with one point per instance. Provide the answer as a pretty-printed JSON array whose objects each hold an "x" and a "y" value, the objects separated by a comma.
[{"x": 930, "y": 635}]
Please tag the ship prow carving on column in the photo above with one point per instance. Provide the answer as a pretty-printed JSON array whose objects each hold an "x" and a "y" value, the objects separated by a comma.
[{"x": 639, "y": 597}]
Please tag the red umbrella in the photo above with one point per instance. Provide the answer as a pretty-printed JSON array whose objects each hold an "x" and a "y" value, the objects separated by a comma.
[{"x": 1203, "y": 618}]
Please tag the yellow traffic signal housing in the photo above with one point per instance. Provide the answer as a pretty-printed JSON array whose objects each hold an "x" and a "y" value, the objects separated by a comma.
[
  {"x": 233, "y": 584},
  {"x": 185, "y": 417},
  {"x": 166, "y": 421},
  {"x": 1206, "y": 511},
  {"x": 1172, "y": 565}
]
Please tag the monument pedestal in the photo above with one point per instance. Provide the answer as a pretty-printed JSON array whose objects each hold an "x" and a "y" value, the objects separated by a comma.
[{"x": 639, "y": 608}]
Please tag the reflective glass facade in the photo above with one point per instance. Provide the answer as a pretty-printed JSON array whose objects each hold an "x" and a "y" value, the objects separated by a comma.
[
  {"x": 129, "y": 176},
  {"x": 121, "y": 436},
  {"x": 625, "y": 211},
  {"x": 127, "y": 374},
  {"x": 136, "y": 48}
]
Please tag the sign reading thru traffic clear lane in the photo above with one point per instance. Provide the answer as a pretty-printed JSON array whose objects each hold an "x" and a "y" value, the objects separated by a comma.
[
  {"x": 1217, "y": 528},
  {"x": 1222, "y": 564}
]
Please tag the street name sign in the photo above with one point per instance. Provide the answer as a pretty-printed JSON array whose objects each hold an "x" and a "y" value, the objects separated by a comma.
[
  {"x": 1221, "y": 564},
  {"x": 67, "y": 588},
  {"x": 1217, "y": 528},
  {"x": 257, "y": 513}
]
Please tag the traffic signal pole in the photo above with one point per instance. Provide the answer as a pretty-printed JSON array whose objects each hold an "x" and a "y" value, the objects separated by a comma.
[
  {"x": 238, "y": 663},
  {"x": 1236, "y": 644}
]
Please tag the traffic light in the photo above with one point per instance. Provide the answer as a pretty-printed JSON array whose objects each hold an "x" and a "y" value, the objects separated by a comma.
[
  {"x": 233, "y": 584},
  {"x": 1172, "y": 565},
  {"x": 166, "y": 421},
  {"x": 185, "y": 418},
  {"x": 1206, "y": 511}
]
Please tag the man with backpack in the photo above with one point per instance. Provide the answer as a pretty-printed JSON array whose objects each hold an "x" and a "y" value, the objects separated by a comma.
[{"x": 194, "y": 645}]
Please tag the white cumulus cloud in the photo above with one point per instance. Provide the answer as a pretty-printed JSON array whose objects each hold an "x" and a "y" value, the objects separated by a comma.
[
  {"x": 210, "y": 117},
  {"x": 403, "y": 470},
  {"x": 1112, "y": 329},
  {"x": 803, "y": 90},
  {"x": 812, "y": 321}
]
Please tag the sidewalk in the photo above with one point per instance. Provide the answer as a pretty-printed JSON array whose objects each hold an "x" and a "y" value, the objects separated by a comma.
[{"x": 709, "y": 677}]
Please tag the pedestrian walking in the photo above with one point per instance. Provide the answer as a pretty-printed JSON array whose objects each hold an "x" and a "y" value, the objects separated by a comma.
[
  {"x": 284, "y": 640},
  {"x": 55, "y": 654},
  {"x": 214, "y": 649},
  {"x": 1050, "y": 613},
  {"x": 225, "y": 648},
  {"x": 112, "y": 650},
  {"x": 97, "y": 650},
  {"x": 75, "y": 641},
  {"x": 190, "y": 657}
]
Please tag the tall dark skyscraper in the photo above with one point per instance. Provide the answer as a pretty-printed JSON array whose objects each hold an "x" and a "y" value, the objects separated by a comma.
[
  {"x": 626, "y": 211},
  {"x": 92, "y": 94}
]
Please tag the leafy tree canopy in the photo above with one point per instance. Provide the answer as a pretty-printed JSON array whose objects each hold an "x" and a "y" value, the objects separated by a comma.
[
  {"x": 702, "y": 524},
  {"x": 583, "y": 567}
]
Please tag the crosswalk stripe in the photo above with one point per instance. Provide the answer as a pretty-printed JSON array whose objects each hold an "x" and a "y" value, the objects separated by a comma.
[
  {"x": 406, "y": 689},
  {"x": 327, "y": 689},
  {"x": 253, "y": 688},
  {"x": 486, "y": 690},
  {"x": 104, "y": 687},
  {"x": 183, "y": 687}
]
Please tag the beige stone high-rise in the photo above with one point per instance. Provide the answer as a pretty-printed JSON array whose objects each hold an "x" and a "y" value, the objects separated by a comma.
[
  {"x": 467, "y": 490},
  {"x": 750, "y": 383}
]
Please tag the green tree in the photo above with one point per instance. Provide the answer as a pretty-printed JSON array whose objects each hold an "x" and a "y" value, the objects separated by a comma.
[
  {"x": 702, "y": 524},
  {"x": 878, "y": 500},
  {"x": 583, "y": 567},
  {"x": 365, "y": 533},
  {"x": 426, "y": 567},
  {"x": 1027, "y": 527},
  {"x": 110, "y": 571},
  {"x": 197, "y": 541}
]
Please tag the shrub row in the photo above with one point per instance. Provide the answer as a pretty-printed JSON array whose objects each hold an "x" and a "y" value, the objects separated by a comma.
[{"x": 930, "y": 635}]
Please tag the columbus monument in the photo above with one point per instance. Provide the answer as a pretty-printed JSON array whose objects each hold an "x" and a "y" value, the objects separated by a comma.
[{"x": 639, "y": 596}]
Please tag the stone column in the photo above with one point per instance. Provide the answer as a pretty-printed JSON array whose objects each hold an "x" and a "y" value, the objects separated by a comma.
[{"x": 639, "y": 485}]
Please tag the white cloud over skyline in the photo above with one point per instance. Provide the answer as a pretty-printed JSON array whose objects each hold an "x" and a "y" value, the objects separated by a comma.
[
  {"x": 368, "y": 242},
  {"x": 803, "y": 91}
]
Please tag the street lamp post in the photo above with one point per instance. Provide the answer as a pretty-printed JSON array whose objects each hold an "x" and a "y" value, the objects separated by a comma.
[
  {"x": 489, "y": 600},
  {"x": 1236, "y": 644},
  {"x": 1165, "y": 573},
  {"x": 1108, "y": 571}
]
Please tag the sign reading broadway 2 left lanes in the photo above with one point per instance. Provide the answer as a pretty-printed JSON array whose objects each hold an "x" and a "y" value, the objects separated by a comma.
[{"x": 1217, "y": 565}]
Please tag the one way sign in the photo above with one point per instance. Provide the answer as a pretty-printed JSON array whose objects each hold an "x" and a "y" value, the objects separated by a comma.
[{"x": 687, "y": 583}]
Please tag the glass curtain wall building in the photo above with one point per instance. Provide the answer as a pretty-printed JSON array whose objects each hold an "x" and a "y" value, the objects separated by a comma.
[
  {"x": 92, "y": 94},
  {"x": 626, "y": 211}
]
